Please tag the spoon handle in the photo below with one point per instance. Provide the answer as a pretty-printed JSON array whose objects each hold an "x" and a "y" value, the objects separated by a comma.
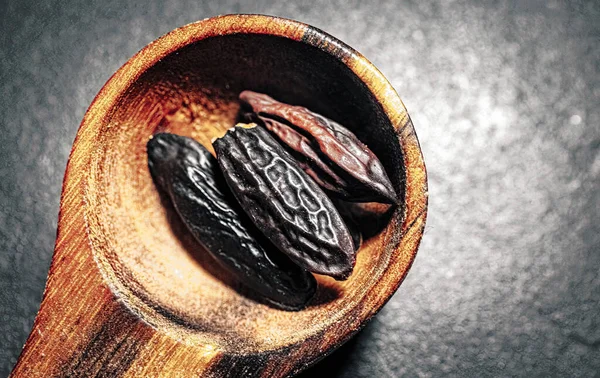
[{"x": 82, "y": 329}]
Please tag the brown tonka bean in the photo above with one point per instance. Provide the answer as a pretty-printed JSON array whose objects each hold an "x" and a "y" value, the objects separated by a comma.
[
  {"x": 330, "y": 153},
  {"x": 284, "y": 202}
]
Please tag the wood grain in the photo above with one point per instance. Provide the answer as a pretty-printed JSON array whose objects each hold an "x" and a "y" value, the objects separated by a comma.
[{"x": 129, "y": 293}]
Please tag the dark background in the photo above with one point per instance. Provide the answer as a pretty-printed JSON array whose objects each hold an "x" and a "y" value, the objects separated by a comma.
[{"x": 505, "y": 98}]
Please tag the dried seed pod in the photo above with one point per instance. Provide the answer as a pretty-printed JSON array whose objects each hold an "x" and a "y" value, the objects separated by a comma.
[
  {"x": 284, "y": 202},
  {"x": 306, "y": 156},
  {"x": 190, "y": 175},
  {"x": 331, "y": 154}
]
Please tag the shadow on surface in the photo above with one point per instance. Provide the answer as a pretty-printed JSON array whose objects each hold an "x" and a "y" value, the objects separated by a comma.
[{"x": 333, "y": 365}]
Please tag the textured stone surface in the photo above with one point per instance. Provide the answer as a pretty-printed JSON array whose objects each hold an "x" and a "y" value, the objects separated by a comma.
[{"x": 504, "y": 97}]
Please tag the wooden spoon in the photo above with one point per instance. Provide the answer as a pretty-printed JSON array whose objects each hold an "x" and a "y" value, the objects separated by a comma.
[{"x": 130, "y": 293}]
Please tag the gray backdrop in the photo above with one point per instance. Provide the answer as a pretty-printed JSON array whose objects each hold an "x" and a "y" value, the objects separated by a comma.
[{"x": 505, "y": 98}]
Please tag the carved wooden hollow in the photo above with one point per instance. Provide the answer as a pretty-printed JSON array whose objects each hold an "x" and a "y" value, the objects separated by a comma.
[{"x": 130, "y": 292}]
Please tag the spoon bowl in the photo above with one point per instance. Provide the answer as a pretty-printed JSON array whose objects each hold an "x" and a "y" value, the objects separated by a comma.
[{"x": 130, "y": 292}]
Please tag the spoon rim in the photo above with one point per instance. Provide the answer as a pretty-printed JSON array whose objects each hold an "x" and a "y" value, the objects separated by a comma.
[{"x": 416, "y": 196}]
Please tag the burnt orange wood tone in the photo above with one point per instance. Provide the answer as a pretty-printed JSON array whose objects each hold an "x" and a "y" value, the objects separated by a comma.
[{"x": 130, "y": 293}]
